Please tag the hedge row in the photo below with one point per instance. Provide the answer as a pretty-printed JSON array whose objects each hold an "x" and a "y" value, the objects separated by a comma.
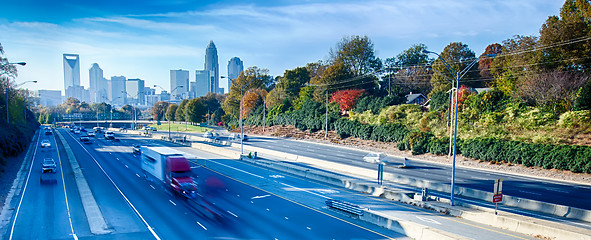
[{"x": 563, "y": 157}]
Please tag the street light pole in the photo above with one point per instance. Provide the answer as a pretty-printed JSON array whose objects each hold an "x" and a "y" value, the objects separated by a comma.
[
  {"x": 167, "y": 118},
  {"x": 241, "y": 127},
  {"x": 8, "y": 86},
  {"x": 458, "y": 76}
]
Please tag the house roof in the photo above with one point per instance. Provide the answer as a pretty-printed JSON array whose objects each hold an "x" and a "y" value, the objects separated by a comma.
[{"x": 412, "y": 97}]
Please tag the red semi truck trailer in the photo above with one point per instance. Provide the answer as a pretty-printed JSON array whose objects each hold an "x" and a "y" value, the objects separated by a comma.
[{"x": 171, "y": 167}]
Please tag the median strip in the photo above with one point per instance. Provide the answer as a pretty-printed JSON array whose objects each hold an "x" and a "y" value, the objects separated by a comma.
[{"x": 94, "y": 215}]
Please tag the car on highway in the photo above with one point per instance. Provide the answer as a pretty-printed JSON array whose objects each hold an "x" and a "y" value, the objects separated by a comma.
[
  {"x": 85, "y": 139},
  {"x": 90, "y": 134},
  {"x": 48, "y": 165},
  {"x": 137, "y": 149},
  {"x": 76, "y": 131},
  {"x": 97, "y": 129},
  {"x": 45, "y": 143},
  {"x": 375, "y": 157},
  {"x": 236, "y": 137},
  {"x": 207, "y": 135},
  {"x": 109, "y": 135}
]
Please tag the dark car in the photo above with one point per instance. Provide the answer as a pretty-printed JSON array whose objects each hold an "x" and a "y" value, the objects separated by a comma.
[
  {"x": 85, "y": 140},
  {"x": 48, "y": 165}
]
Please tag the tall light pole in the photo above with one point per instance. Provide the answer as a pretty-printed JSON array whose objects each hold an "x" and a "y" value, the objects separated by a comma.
[
  {"x": 458, "y": 76},
  {"x": 134, "y": 123},
  {"x": 168, "y": 120},
  {"x": 241, "y": 127}
]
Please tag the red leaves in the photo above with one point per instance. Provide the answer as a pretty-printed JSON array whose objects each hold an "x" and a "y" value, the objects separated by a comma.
[{"x": 346, "y": 98}]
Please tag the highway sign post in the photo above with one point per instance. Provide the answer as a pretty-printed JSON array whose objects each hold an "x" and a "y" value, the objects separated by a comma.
[{"x": 497, "y": 193}]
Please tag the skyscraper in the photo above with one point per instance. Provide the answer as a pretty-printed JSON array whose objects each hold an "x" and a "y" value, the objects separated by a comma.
[
  {"x": 98, "y": 84},
  {"x": 71, "y": 74},
  {"x": 202, "y": 83},
  {"x": 179, "y": 84},
  {"x": 117, "y": 91},
  {"x": 235, "y": 67},
  {"x": 135, "y": 91},
  {"x": 211, "y": 64}
]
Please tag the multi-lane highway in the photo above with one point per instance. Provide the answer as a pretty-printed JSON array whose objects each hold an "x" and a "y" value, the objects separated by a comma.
[
  {"x": 563, "y": 193},
  {"x": 245, "y": 201}
]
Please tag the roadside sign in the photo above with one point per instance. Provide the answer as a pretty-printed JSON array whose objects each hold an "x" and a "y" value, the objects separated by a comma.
[{"x": 497, "y": 198}]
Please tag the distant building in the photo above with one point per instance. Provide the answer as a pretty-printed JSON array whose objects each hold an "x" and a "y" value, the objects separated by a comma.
[
  {"x": 50, "y": 98},
  {"x": 416, "y": 98},
  {"x": 203, "y": 83},
  {"x": 211, "y": 64},
  {"x": 79, "y": 93},
  {"x": 117, "y": 91},
  {"x": 135, "y": 91},
  {"x": 235, "y": 67},
  {"x": 71, "y": 75},
  {"x": 179, "y": 84},
  {"x": 98, "y": 85}
]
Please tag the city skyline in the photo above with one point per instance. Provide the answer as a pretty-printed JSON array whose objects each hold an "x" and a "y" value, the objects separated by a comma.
[{"x": 146, "y": 39}]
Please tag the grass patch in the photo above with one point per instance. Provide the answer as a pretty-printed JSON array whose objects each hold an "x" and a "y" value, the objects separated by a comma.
[{"x": 177, "y": 127}]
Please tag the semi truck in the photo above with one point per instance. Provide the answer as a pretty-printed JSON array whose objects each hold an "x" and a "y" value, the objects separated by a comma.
[{"x": 170, "y": 167}]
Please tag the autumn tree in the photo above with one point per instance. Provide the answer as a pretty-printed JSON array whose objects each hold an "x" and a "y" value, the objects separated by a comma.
[
  {"x": 346, "y": 98},
  {"x": 357, "y": 55},
  {"x": 556, "y": 90},
  {"x": 159, "y": 110},
  {"x": 250, "y": 78},
  {"x": 517, "y": 60},
  {"x": 484, "y": 63}
]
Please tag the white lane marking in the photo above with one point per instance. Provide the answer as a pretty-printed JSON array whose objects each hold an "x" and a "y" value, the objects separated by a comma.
[
  {"x": 232, "y": 213},
  {"x": 237, "y": 169},
  {"x": 268, "y": 210},
  {"x": 263, "y": 196},
  {"x": 276, "y": 176},
  {"x": 153, "y": 187},
  {"x": 202, "y": 226},
  {"x": 479, "y": 178},
  {"x": 117, "y": 159},
  {"x": 137, "y": 175},
  {"x": 308, "y": 228},
  {"x": 428, "y": 220},
  {"x": 533, "y": 193},
  {"x": 286, "y": 218},
  {"x": 126, "y": 166},
  {"x": 305, "y": 190},
  {"x": 172, "y": 202},
  {"x": 559, "y": 190}
]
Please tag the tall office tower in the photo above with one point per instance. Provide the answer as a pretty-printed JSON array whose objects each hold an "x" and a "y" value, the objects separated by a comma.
[
  {"x": 235, "y": 67},
  {"x": 203, "y": 83},
  {"x": 211, "y": 64},
  {"x": 98, "y": 84},
  {"x": 117, "y": 91},
  {"x": 71, "y": 74},
  {"x": 179, "y": 84},
  {"x": 135, "y": 91}
]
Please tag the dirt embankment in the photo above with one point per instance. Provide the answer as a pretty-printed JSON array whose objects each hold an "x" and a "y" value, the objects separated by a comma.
[{"x": 390, "y": 148}]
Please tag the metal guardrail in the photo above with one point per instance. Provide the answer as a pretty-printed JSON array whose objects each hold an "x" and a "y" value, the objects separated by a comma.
[{"x": 344, "y": 206}]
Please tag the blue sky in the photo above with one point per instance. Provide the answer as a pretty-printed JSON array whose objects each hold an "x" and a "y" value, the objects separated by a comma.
[{"x": 146, "y": 39}]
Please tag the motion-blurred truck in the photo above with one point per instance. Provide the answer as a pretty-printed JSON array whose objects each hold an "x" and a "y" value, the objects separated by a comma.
[{"x": 170, "y": 167}]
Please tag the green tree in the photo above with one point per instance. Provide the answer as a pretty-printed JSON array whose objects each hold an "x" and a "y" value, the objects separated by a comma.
[
  {"x": 179, "y": 115},
  {"x": 583, "y": 101},
  {"x": 565, "y": 39},
  {"x": 171, "y": 111},
  {"x": 518, "y": 60},
  {"x": 458, "y": 56},
  {"x": 357, "y": 55},
  {"x": 196, "y": 110},
  {"x": 250, "y": 78},
  {"x": 292, "y": 81}
]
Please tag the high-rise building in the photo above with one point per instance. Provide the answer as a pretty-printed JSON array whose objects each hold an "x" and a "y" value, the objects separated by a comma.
[
  {"x": 49, "y": 98},
  {"x": 135, "y": 91},
  {"x": 179, "y": 84},
  {"x": 71, "y": 75},
  {"x": 235, "y": 67},
  {"x": 117, "y": 91},
  {"x": 203, "y": 83},
  {"x": 211, "y": 64},
  {"x": 98, "y": 84}
]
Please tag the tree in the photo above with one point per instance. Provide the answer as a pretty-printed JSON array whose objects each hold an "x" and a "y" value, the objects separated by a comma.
[
  {"x": 565, "y": 39},
  {"x": 171, "y": 111},
  {"x": 458, "y": 56},
  {"x": 292, "y": 81},
  {"x": 583, "y": 101},
  {"x": 484, "y": 63},
  {"x": 518, "y": 60},
  {"x": 357, "y": 55},
  {"x": 250, "y": 78},
  {"x": 346, "y": 98},
  {"x": 408, "y": 71},
  {"x": 196, "y": 110},
  {"x": 554, "y": 90},
  {"x": 159, "y": 109},
  {"x": 179, "y": 115}
]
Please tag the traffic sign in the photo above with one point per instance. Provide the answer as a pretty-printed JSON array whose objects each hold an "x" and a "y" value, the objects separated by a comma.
[{"x": 497, "y": 198}]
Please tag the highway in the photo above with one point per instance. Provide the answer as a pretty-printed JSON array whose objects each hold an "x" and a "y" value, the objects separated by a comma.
[{"x": 563, "y": 193}]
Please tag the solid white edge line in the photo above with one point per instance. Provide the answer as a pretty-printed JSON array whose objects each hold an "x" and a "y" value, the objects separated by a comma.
[
  {"x": 202, "y": 226},
  {"x": 24, "y": 189}
]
